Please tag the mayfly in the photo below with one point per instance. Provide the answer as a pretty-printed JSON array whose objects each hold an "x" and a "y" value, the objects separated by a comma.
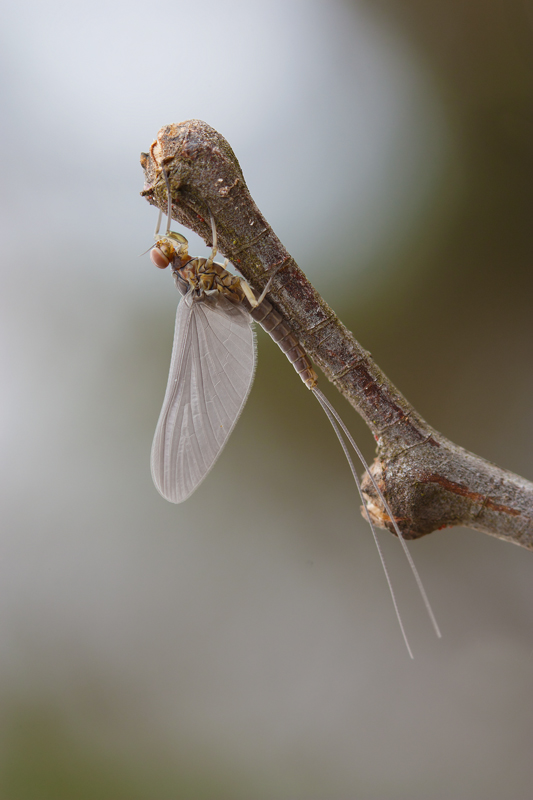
[{"x": 211, "y": 373}]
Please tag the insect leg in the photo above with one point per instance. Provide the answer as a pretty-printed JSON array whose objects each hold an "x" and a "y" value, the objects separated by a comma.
[
  {"x": 169, "y": 201},
  {"x": 211, "y": 258},
  {"x": 159, "y": 218}
]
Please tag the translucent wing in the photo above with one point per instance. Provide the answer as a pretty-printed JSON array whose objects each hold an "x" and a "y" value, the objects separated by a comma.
[{"x": 211, "y": 374}]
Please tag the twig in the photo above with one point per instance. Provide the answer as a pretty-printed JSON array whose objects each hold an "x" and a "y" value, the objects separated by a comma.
[{"x": 429, "y": 482}]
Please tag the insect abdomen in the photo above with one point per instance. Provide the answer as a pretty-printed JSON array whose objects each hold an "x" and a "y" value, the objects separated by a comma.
[{"x": 273, "y": 323}]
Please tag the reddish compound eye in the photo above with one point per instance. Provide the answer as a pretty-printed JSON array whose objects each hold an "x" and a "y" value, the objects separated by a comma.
[{"x": 159, "y": 258}]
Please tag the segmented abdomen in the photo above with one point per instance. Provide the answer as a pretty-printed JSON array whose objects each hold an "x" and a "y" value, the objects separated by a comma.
[{"x": 273, "y": 323}]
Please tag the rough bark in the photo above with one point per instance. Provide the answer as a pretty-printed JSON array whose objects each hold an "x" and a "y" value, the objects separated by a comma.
[{"x": 429, "y": 482}]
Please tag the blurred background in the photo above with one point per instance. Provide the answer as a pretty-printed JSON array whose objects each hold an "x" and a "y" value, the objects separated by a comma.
[{"x": 243, "y": 644}]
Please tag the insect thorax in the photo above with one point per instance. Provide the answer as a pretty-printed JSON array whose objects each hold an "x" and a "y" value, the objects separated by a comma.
[{"x": 204, "y": 276}]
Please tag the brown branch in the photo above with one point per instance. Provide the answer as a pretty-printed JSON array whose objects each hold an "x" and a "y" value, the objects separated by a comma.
[{"x": 429, "y": 482}]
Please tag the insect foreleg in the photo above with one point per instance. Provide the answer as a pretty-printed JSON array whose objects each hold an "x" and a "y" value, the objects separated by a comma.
[{"x": 215, "y": 248}]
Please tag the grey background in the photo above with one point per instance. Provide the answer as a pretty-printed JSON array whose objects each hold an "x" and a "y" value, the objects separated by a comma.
[{"x": 244, "y": 644}]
